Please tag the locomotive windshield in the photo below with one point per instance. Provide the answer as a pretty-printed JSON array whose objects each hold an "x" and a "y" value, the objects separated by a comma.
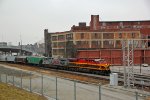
[{"x": 101, "y": 61}]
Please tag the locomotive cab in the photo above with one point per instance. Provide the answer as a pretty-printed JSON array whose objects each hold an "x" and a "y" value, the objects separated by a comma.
[{"x": 102, "y": 62}]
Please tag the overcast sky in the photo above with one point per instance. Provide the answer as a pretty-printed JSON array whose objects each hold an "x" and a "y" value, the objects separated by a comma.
[{"x": 28, "y": 18}]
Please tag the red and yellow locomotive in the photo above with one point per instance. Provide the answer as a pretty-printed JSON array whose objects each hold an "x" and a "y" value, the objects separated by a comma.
[{"x": 96, "y": 66}]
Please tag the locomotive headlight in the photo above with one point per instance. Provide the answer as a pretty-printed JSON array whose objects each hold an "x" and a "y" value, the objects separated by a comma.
[{"x": 106, "y": 64}]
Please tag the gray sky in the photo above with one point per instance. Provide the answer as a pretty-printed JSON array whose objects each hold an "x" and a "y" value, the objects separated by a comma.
[{"x": 30, "y": 17}]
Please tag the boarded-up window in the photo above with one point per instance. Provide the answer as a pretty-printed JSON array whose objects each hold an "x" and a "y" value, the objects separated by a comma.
[
  {"x": 95, "y": 35},
  {"x": 133, "y": 35},
  {"x": 82, "y": 35},
  {"x": 108, "y": 35},
  {"x": 118, "y": 44},
  {"x": 120, "y": 35}
]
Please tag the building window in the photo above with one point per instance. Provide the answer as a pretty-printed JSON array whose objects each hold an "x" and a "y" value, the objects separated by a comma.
[
  {"x": 103, "y": 24},
  {"x": 61, "y": 44},
  {"x": 120, "y": 35},
  {"x": 54, "y": 38},
  {"x": 54, "y": 45},
  {"x": 95, "y": 44},
  {"x": 69, "y": 36},
  {"x": 108, "y": 35},
  {"x": 149, "y": 41},
  {"x": 54, "y": 51},
  {"x": 61, "y": 37},
  {"x": 82, "y": 35},
  {"x": 96, "y": 35},
  {"x": 133, "y": 35},
  {"x": 111, "y": 42},
  {"x": 118, "y": 44},
  {"x": 108, "y": 44},
  {"x": 121, "y": 23},
  {"x": 78, "y": 42},
  {"x": 149, "y": 44}
]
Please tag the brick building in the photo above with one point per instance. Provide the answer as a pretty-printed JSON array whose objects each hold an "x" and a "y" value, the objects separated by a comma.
[{"x": 101, "y": 39}]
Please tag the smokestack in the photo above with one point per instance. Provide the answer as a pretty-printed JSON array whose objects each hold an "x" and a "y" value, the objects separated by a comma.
[{"x": 94, "y": 24}]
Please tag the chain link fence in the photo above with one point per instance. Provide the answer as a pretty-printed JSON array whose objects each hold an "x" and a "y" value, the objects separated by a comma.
[{"x": 55, "y": 88}]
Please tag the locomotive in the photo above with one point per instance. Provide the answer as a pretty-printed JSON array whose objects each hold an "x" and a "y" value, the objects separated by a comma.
[{"x": 95, "y": 66}]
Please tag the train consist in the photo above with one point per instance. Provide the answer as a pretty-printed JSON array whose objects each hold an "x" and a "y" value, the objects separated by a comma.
[{"x": 95, "y": 66}]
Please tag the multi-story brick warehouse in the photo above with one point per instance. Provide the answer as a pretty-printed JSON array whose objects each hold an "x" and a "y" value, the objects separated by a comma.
[{"x": 101, "y": 39}]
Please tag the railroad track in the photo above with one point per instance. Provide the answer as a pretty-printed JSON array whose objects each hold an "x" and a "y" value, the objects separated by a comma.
[
  {"x": 78, "y": 73},
  {"x": 139, "y": 78},
  {"x": 142, "y": 80}
]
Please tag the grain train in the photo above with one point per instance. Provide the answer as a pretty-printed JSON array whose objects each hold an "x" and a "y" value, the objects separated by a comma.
[{"x": 95, "y": 66}]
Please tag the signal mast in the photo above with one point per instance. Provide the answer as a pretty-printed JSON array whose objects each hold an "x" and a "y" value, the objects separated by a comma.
[{"x": 128, "y": 62}]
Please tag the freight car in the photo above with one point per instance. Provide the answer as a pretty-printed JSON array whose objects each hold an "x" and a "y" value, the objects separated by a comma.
[
  {"x": 59, "y": 63},
  {"x": 21, "y": 59},
  {"x": 34, "y": 60},
  {"x": 10, "y": 59},
  {"x": 2, "y": 58}
]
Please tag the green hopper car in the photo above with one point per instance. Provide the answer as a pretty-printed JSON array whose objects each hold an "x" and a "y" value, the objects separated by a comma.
[{"x": 35, "y": 60}]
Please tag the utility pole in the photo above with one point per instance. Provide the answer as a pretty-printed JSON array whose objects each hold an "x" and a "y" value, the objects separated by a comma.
[
  {"x": 125, "y": 60},
  {"x": 20, "y": 45},
  {"x": 128, "y": 55},
  {"x": 99, "y": 49}
]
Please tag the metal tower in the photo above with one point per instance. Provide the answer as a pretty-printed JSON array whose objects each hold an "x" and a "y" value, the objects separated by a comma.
[{"x": 128, "y": 55}]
